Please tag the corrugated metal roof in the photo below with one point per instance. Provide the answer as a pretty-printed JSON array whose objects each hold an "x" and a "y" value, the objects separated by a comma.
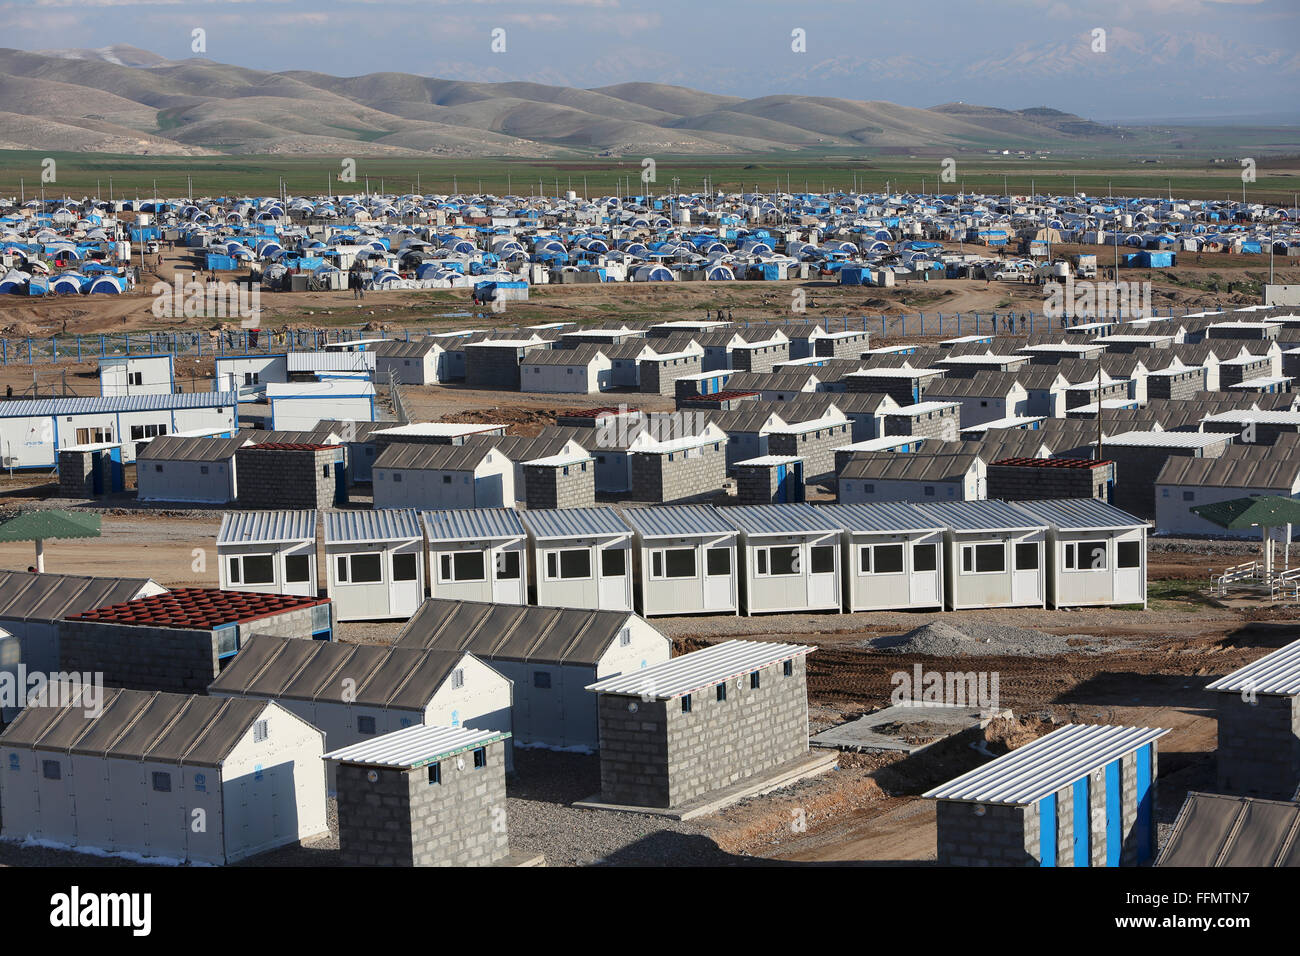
[
  {"x": 101, "y": 404},
  {"x": 698, "y": 669},
  {"x": 333, "y": 361},
  {"x": 392, "y": 524},
  {"x": 473, "y": 524},
  {"x": 266, "y": 527},
  {"x": 1047, "y": 765},
  {"x": 885, "y": 517},
  {"x": 778, "y": 519},
  {"x": 990, "y": 515},
  {"x": 574, "y": 523},
  {"x": 667, "y": 521},
  {"x": 414, "y": 747},
  {"x": 943, "y": 461},
  {"x": 435, "y": 429},
  {"x": 767, "y": 461},
  {"x": 1214, "y": 829},
  {"x": 1274, "y": 673},
  {"x": 1152, "y": 439},
  {"x": 422, "y": 456},
  {"x": 397, "y": 348},
  {"x": 1079, "y": 514},
  {"x": 175, "y": 448},
  {"x": 26, "y": 596}
]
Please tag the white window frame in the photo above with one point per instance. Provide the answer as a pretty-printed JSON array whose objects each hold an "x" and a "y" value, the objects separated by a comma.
[
  {"x": 350, "y": 579},
  {"x": 243, "y": 576},
  {"x": 871, "y": 571},
  {"x": 1070, "y": 555},
  {"x": 546, "y": 562},
  {"x": 451, "y": 556},
  {"x": 660, "y": 556},
  {"x": 766, "y": 552},
  {"x": 961, "y": 567}
]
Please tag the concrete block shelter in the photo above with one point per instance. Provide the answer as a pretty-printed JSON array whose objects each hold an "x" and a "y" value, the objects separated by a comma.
[
  {"x": 769, "y": 480},
  {"x": 1024, "y": 479},
  {"x": 423, "y": 796},
  {"x": 300, "y": 475},
  {"x": 680, "y": 730},
  {"x": 560, "y": 481},
  {"x": 134, "y": 777},
  {"x": 179, "y": 640},
  {"x": 1083, "y": 795},
  {"x": 1259, "y": 726}
]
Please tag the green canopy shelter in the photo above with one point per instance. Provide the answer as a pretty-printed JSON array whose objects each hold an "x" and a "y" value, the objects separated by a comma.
[
  {"x": 40, "y": 526},
  {"x": 1264, "y": 512}
]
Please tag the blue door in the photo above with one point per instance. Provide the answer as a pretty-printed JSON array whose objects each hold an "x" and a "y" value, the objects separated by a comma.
[
  {"x": 1114, "y": 814},
  {"x": 1082, "y": 825},
  {"x": 782, "y": 486},
  {"x": 117, "y": 478},
  {"x": 1047, "y": 830},
  {"x": 1143, "y": 829}
]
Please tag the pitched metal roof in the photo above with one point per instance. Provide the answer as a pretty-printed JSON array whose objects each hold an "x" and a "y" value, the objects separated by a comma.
[
  {"x": 102, "y": 404},
  {"x": 885, "y": 517},
  {"x": 391, "y": 524},
  {"x": 1214, "y": 829},
  {"x": 1079, "y": 514},
  {"x": 266, "y": 527},
  {"x": 333, "y": 361},
  {"x": 25, "y": 596},
  {"x": 414, "y": 747},
  {"x": 1047, "y": 765},
  {"x": 574, "y": 523},
  {"x": 415, "y": 348},
  {"x": 698, "y": 669},
  {"x": 1275, "y": 673},
  {"x": 950, "y": 462},
  {"x": 176, "y": 448},
  {"x": 190, "y": 730},
  {"x": 422, "y": 455},
  {"x": 473, "y": 524},
  {"x": 518, "y": 632},
  {"x": 792, "y": 518},
  {"x": 990, "y": 515},
  {"x": 668, "y": 521}
]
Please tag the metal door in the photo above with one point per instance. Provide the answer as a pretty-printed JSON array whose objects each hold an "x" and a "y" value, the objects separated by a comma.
[
  {"x": 1047, "y": 830},
  {"x": 1082, "y": 824},
  {"x": 1114, "y": 814}
]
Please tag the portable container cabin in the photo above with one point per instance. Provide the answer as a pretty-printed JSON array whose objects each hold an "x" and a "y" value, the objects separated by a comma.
[
  {"x": 1096, "y": 554},
  {"x": 249, "y": 768},
  {"x": 993, "y": 554},
  {"x": 375, "y": 563},
  {"x": 582, "y": 369},
  {"x": 249, "y": 374},
  {"x": 580, "y": 557},
  {"x": 550, "y": 654},
  {"x": 892, "y": 556},
  {"x": 685, "y": 560},
  {"x": 1083, "y": 795},
  {"x": 791, "y": 557},
  {"x": 271, "y": 552},
  {"x": 301, "y": 405},
  {"x": 443, "y": 476},
  {"x": 418, "y": 362},
  {"x": 477, "y": 555},
  {"x": 136, "y": 375}
]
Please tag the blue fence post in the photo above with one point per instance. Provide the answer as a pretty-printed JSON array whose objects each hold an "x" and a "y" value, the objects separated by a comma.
[
  {"x": 29, "y": 352},
  {"x": 78, "y": 348},
  {"x": 4, "y": 350},
  {"x": 882, "y": 327}
]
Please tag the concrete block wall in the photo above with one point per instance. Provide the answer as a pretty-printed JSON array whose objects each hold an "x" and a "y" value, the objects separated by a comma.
[
  {"x": 899, "y": 389},
  {"x": 660, "y": 378},
  {"x": 1031, "y": 482},
  {"x": 660, "y": 756},
  {"x": 816, "y": 448},
  {"x": 1181, "y": 387},
  {"x": 1079, "y": 396},
  {"x": 140, "y": 658},
  {"x": 943, "y": 424},
  {"x": 759, "y": 359},
  {"x": 547, "y": 486},
  {"x": 401, "y": 819},
  {"x": 1003, "y": 836},
  {"x": 848, "y": 346},
  {"x": 493, "y": 368},
  {"x": 657, "y": 478},
  {"x": 1259, "y": 745},
  {"x": 272, "y": 478},
  {"x": 756, "y": 485},
  {"x": 77, "y": 474},
  {"x": 1236, "y": 373}
]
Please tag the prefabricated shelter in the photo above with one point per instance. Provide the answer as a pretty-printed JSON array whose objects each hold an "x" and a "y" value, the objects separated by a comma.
[
  {"x": 417, "y": 362},
  {"x": 270, "y": 552},
  {"x": 1096, "y": 554},
  {"x": 993, "y": 554},
  {"x": 32, "y": 430},
  {"x": 582, "y": 369},
  {"x": 443, "y": 476},
  {"x": 249, "y": 374},
  {"x": 1215, "y": 829},
  {"x": 136, "y": 375},
  {"x": 356, "y": 692},
  {"x": 1083, "y": 795},
  {"x": 685, "y": 560},
  {"x": 790, "y": 557},
  {"x": 423, "y": 796},
  {"x": 1259, "y": 726},
  {"x": 32, "y": 606},
  {"x": 892, "y": 556},
  {"x": 675, "y": 732},
  {"x": 300, "y": 406},
  {"x": 550, "y": 654},
  {"x": 302, "y": 475},
  {"x": 939, "y": 471},
  {"x": 181, "y": 639},
  {"x": 434, "y": 433},
  {"x": 330, "y": 364},
  {"x": 375, "y": 563},
  {"x": 193, "y": 470},
  {"x": 477, "y": 555},
  {"x": 132, "y": 778},
  {"x": 580, "y": 557}
]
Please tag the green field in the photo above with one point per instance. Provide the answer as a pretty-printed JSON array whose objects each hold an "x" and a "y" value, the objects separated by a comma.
[{"x": 82, "y": 174}]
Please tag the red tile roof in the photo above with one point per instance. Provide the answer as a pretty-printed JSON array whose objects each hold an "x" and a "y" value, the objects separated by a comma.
[
  {"x": 198, "y": 609},
  {"x": 288, "y": 446},
  {"x": 1052, "y": 462}
]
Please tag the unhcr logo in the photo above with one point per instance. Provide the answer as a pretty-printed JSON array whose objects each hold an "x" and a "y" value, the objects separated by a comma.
[
  {"x": 1086, "y": 299},
  {"x": 23, "y": 688},
  {"x": 219, "y": 299},
  {"x": 977, "y": 689}
]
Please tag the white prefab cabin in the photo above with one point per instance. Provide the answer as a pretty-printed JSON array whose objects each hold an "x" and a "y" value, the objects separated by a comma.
[
  {"x": 410, "y": 475},
  {"x": 390, "y": 687},
  {"x": 419, "y": 362},
  {"x": 249, "y": 374},
  {"x": 196, "y": 470},
  {"x": 375, "y": 563},
  {"x": 136, "y": 375},
  {"x": 685, "y": 559},
  {"x": 300, "y": 406},
  {"x": 580, "y": 557},
  {"x": 271, "y": 552},
  {"x": 893, "y": 556},
  {"x": 550, "y": 655},
  {"x": 583, "y": 369},
  {"x": 477, "y": 555},
  {"x": 1096, "y": 553},
  {"x": 790, "y": 558},
  {"x": 109, "y": 782},
  {"x": 994, "y": 554}
]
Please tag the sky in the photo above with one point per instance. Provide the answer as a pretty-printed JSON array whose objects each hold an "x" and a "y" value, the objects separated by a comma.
[{"x": 1103, "y": 59}]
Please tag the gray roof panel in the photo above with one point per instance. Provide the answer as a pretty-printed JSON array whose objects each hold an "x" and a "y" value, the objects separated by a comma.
[
  {"x": 356, "y": 527},
  {"x": 266, "y": 527},
  {"x": 550, "y": 523},
  {"x": 473, "y": 524},
  {"x": 670, "y": 521}
]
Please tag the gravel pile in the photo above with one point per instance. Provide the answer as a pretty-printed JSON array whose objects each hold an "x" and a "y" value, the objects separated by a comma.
[{"x": 942, "y": 639}]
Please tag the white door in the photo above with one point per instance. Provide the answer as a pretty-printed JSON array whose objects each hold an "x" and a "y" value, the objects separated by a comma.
[
  {"x": 507, "y": 576},
  {"x": 405, "y": 587},
  {"x": 925, "y": 583},
  {"x": 823, "y": 573},
  {"x": 719, "y": 578},
  {"x": 1026, "y": 574},
  {"x": 614, "y": 591}
]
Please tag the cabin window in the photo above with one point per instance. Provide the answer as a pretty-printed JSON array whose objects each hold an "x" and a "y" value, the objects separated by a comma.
[
  {"x": 1189, "y": 496},
  {"x": 397, "y": 476},
  {"x": 672, "y": 563},
  {"x": 722, "y": 692},
  {"x": 203, "y": 469},
  {"x": 983, "y": 558},
  {"x": 51, "y": 770},
  {"x": 462, "y": 566},
  {"x": 777, "y": 561},
  {"x": 1085, "y": 556},
  {"x": 259, "y": 569},
  {"x": 880, "y": 559},
  {"x": 1027, "y": 557},
  {"x": 718, "y": 560},
  {"x": 686, "y": 703},
  {"x": 1128, "y": 554},
  {"x": 405, "y": 567},
  {"x": 480, "y": 758},
  {"x": 542, "y": 680},
  {"x": 135, "y": 378},
  {"x": 823, "y": 559},
  {"x": 507, "y": 565},
  {"x": 568, "y": 565},
  {"x": 787, "y": 669},
  {"x": 435, "y": 773},
  {"x": 162, "y": 781},
  {"x": 613, "y": 562},
  {"x": 297, "y": 568},
  {"x": 925, "y": 557},
  {"x": 446, "y": 479},
  {"x": 360, "y": 568},
  {"x": 929, "y": 491},
  {"x": 754, "y": 681},
  {"x": 458, "y": 678}
]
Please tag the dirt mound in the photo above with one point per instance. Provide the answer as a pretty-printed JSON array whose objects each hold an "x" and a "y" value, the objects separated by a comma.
[{"x": 941, "y": 639}]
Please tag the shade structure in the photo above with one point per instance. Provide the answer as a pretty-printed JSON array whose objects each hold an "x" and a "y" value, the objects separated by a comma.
[
  {"x": 39, "y": 526},
  {"x": 1266, "y": 511}
]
